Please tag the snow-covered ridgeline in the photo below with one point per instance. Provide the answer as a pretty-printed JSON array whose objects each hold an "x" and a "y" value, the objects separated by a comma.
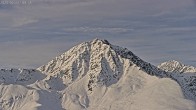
[
  {"x": 175, "y": 66},
  {"x": 97, "y": 75}
]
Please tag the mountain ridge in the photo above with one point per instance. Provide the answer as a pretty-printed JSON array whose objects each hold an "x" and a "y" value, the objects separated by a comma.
[
  {"x": 176, "y": 66},
  {"x": 96, "y": 75}
]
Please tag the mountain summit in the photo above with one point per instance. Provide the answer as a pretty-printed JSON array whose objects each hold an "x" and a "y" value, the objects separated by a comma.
[
  {"x": 96, "y": 75},
  {"x": 103, "y": 62}
]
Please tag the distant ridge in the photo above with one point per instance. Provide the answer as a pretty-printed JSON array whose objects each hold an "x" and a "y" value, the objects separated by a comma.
[{"x": 175, "y": 66}]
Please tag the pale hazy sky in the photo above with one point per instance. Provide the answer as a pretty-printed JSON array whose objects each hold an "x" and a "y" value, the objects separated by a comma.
[{"x": 33, "y": 33}]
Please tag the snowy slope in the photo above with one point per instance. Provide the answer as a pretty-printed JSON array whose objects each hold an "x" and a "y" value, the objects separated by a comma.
[{"x": 95, "y": 75}]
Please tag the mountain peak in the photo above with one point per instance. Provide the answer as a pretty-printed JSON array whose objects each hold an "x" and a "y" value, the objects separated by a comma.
[
  {"x": 101, "y": 61},
  {"x": 96, "y": 40},
  {"x": 175, "y": 61},
  {"x": 176, "y": 66},
  {"x": 104, "y": 41}
]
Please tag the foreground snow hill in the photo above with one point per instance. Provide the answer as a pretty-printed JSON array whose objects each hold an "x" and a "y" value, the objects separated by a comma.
[{"x": 97, "y": 75}]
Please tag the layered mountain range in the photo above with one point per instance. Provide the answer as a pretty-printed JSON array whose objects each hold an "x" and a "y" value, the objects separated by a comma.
[{"x": 97, "y": 75}]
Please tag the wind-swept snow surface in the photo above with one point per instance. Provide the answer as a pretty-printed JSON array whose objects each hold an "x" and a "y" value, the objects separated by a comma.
[{"x": 96, "y": 75}]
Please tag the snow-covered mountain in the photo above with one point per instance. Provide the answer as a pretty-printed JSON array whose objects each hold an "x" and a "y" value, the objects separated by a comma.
[
  {"x": 185, "y": 75},
  {"x": 97, "y": 75},
  {"x": 103, "y": 62},
  {"x": 175, "y": 66}
]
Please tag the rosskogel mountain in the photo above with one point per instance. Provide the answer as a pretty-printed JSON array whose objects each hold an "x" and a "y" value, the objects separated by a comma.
[{"x": 97, "y": 75}]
